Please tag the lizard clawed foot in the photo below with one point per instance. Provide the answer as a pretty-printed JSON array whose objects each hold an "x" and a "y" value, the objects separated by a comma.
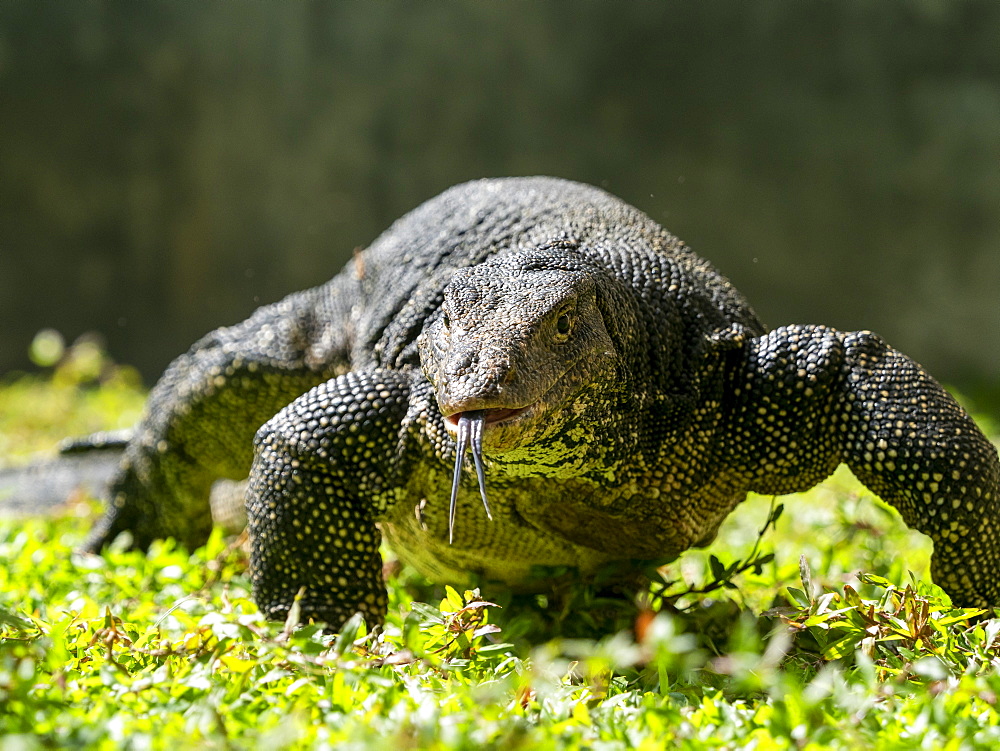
[{"x": 470, "y": 430}]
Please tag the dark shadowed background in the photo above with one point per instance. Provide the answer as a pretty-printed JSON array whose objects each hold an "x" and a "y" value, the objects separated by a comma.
[{"x": 167, "y": 167}]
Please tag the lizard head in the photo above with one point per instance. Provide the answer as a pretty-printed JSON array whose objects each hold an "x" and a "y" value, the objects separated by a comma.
[{"x": 515, "y": 339}]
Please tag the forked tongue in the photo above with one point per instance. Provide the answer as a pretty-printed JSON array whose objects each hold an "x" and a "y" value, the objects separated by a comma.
[{"x": 470, "y": 430}]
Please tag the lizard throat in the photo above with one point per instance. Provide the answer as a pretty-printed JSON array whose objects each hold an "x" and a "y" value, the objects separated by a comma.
[{"x": 468, "y": 427}]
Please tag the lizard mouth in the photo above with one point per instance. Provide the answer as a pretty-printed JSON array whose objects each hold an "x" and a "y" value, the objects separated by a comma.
[{"x": 490, "y": 417}]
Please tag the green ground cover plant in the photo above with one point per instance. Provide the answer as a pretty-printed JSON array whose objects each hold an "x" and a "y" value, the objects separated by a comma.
[{"x": 821, "y": 632}]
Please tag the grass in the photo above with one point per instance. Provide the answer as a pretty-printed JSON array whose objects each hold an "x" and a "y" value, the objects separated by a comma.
[{"x": 782, "y": 641}]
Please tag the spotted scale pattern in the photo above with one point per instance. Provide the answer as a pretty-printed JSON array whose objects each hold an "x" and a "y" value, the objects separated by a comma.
[
  {"x": 330, "y": 452},
  {"x": 808, "y": 398}
]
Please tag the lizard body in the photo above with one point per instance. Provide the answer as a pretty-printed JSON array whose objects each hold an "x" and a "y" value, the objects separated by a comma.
[{"x": 622, "y": 395}]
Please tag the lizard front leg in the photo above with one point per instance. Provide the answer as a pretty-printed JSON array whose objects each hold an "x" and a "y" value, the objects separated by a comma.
[
  {"x": 326, "y": 468},
  {"x": 807, "y": 398}
]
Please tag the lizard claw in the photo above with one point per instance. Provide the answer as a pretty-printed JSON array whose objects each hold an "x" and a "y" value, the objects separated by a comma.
[{"x": 470, "y": 430}]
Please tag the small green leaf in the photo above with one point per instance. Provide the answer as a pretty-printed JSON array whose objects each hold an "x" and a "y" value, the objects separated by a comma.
[
  {"x": 798, "y": 596},
  {"x": 453, "y": 600},
  {"x": 348, "y": 633},
  {"x": 718, "y": 570}
]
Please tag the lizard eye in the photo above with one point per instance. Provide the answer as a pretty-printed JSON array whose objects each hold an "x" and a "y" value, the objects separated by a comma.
[
  {"x": 564, "y": 324},
  {"x": 445, "y": 321}
]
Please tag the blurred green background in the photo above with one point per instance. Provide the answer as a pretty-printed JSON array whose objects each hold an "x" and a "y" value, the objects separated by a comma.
[{"x": 167, "y": 167}]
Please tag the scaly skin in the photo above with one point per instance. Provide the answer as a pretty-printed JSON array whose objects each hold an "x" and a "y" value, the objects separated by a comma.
[{"x": 627, "y": 396}]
